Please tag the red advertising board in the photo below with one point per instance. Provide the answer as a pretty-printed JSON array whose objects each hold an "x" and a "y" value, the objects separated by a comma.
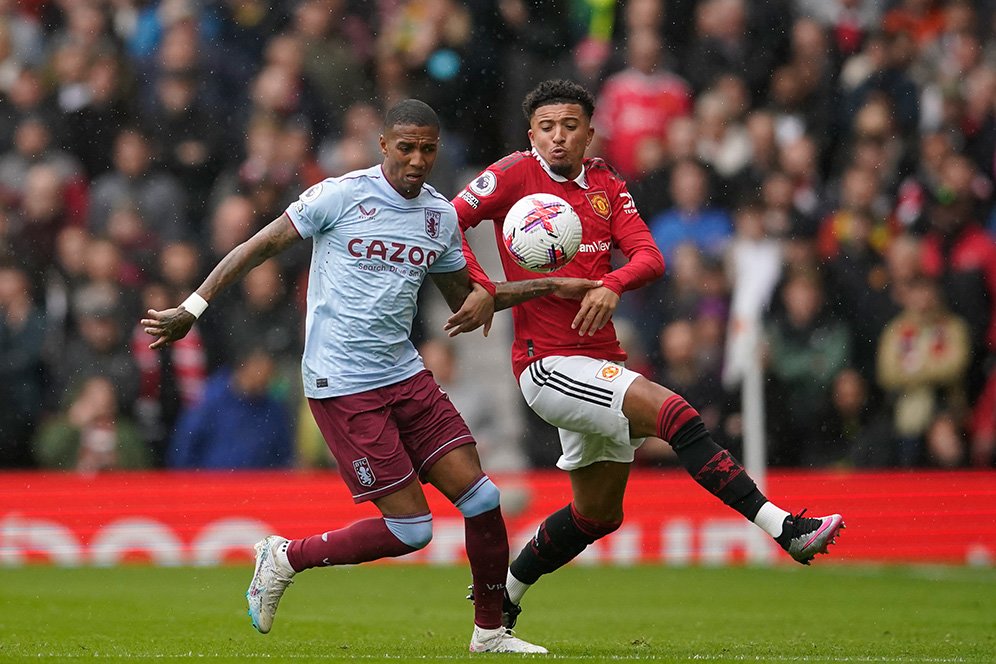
[{"x": 196, "y": 518}]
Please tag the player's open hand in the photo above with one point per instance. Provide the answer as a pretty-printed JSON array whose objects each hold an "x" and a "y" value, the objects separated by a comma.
[
  {"x": 597, "y": 307},
  {"x": 571, "y": 288},
  {"x": 168, "y": 325},
  {"x": 478, "y": 309}
]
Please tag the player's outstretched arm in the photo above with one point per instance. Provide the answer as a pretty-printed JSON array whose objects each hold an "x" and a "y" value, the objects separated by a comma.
[
  {"x": 510, "y": 293},
  {"x": 172, "y": 324}
]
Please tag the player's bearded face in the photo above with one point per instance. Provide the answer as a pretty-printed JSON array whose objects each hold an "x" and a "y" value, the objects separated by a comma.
[
  {"x": 561, "y": 133},
  {"x": 409, "y": 154}
]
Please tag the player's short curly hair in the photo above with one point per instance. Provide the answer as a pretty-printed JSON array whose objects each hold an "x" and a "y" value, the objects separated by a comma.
[
  {"x": 558, "y": 91},
  {"x": 411, "y": 112}
]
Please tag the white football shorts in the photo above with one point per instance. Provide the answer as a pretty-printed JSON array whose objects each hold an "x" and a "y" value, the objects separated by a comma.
[{"x": 583, "y": 398}]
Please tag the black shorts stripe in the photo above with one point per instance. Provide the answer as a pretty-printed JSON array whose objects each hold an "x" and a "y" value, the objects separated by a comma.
[
  {"x": 570, "y": 387},
  {"x": 546, "y": 374}
]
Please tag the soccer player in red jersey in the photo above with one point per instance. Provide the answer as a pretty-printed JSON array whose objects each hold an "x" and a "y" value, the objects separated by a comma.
[{"x": 569, "y": 362}]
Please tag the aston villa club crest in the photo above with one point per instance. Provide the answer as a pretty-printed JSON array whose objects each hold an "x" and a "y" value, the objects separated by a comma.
[
  {"x": 363, "y": 472},
  {"x": 432, "y": 218},
  {"x": 599, "y": 203}
]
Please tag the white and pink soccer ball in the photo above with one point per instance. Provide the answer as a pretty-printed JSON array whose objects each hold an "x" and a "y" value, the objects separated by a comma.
[{"x": 542, "y": 232}]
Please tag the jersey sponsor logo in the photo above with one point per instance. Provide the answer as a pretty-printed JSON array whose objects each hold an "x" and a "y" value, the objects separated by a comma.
[
  {"x": 311, "y": 193},
  {"x": 609, "y": 372},
  {"x": 484, "y": 184},
  {"x": 322, "y": 382},
  {"x": 629, "y": 207},
  {"x": 432, "y": 218},
  {"x": 364, "y": 473},
  {"x": 367, "y": 213},
  {"x": 472, "y": 200},
  {"x": 594, "y": 247},
  {"x": 599, "y": 203},
  {"x": 392, "y": 252}
]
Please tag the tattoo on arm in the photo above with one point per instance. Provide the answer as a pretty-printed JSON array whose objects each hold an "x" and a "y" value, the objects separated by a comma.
[
  {"x": 268, "y": 242},
  {"x": 454, "y": 286},
  {"x": 511, "y": 293}
]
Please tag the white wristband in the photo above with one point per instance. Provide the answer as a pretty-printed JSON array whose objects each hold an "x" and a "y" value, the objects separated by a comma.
[{"x": 195, "y": 304}]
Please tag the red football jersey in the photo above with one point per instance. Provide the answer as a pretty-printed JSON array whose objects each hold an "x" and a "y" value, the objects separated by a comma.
[{"x": 609, "y": 219}]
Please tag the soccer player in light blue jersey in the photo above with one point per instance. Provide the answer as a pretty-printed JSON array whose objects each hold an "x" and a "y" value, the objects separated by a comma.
[{"x": 377, "y": 233}]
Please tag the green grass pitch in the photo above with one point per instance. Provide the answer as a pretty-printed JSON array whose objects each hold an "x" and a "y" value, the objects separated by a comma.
[{"x": 400, "y": 613}]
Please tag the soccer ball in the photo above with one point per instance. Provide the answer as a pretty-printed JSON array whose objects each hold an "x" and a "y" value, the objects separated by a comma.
[{"x": 542, "y": 232}]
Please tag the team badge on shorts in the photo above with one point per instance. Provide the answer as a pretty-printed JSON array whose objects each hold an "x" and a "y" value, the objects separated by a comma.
[
  {"x": 363, "y": 472},
  {"x": 609, "y": 372},
  {"x": 432, "y": 218},
  {"x": 599, "y": 203}
]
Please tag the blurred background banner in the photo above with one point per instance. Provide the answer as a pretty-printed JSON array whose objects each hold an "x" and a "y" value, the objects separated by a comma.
[{"x": 205, "y": 518}]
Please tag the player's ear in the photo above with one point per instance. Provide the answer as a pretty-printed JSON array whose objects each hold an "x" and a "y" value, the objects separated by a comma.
[{"x": 383, "y": 145}]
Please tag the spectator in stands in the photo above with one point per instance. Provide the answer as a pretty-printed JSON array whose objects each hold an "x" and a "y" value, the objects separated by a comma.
[
  {"x": 264, "y": 312},
  {"x": 847, "y": 20},
  {"x": 726, "y": 43},
  {"x": 22, "y": 333},
  {"x": 357, "y": 146},
  {"x": 33, "y": 145},
  {"x": 91, "y": 435},
  {"x": 860, "y": 217},
  {"x": 136, "y": 181},
  {"x": 538, "y": 45},
  {"x": 260, "y": 176},
  {"x": 859, "y": 287},
  {"x": 683, "y": 368},
  {"x": 107, "y": 108},
  {"x": 692, "y": 219},
  {"x": 185, "y": 132},
  {"x": 100, "y": 349},
  {"x": 337, "y": 47},
  {"x": 237, "y": 424},
  {"x": 42, "y": 214},
  {"x": 26, "y": 95},
  {"x": 806, "y": 349},
  {"x": 170, "y": 378},
  {"x": 922, "y": 361},
  {"x": 798, "y": 159},
  {"x": 637, "y": 105},
  {"x": 858, "y": 432},
  {"x": 723, "y": 141},
  {"x": 959, "y": 252}
]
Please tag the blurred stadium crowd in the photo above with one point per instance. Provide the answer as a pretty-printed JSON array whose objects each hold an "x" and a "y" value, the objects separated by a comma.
[{"x": 839, "y": 153}]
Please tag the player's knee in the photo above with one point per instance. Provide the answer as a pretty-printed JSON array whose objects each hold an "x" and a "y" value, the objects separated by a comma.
[
  {"x": 414, "y": 531},
  {"x": 480, "y": 497}
]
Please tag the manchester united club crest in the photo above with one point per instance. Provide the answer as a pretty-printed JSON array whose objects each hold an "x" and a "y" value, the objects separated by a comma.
[
  {"x": 599, "y": 203},
  {"x": 432, "y": 218},
  {"x": 609, "y": 372},
  {"x": 364, "y": 473}
]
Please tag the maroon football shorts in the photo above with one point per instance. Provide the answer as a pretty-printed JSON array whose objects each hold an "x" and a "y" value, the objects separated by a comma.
[{"x": 383, "y": 439}]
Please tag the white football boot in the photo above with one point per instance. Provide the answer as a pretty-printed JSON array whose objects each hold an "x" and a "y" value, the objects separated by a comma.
[
  {"x": 501, "y": 640},
  {"x": 269, "y": 581}
]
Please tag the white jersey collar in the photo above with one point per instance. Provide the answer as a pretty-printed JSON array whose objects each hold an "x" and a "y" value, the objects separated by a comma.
[{"x": 580, "y": 180}]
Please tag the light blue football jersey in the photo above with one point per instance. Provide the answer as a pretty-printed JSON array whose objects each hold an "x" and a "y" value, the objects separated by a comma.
[{"x": 372, "y": 249}]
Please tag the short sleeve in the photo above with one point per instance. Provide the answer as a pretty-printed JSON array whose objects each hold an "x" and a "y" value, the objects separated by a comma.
[
  {"x": 317, "y": 209},
  {"x": 452, "y": 258}
]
